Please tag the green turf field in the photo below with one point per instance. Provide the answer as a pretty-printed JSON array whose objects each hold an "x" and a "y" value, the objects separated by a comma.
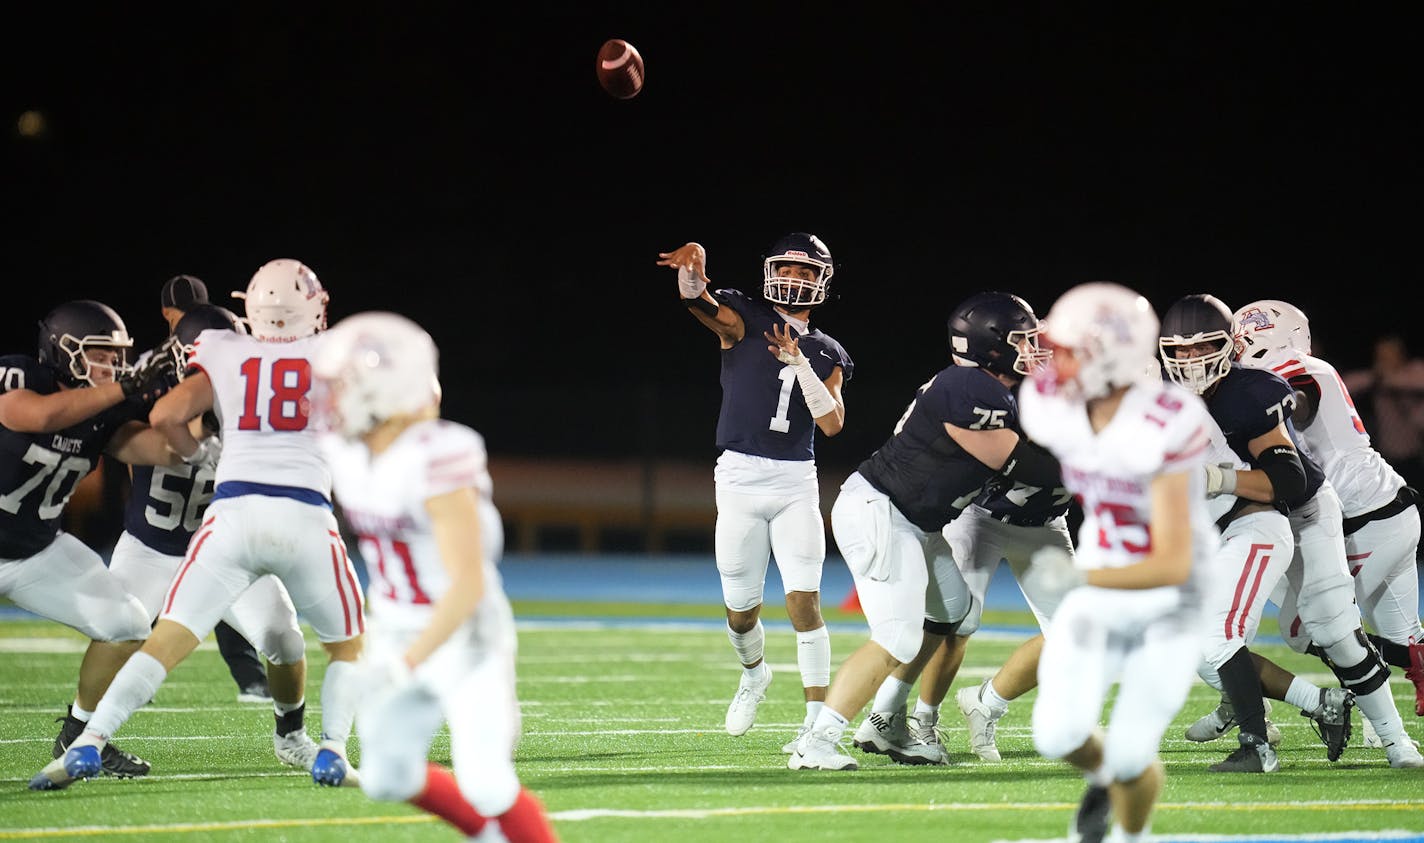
[{"x": 623, "y": 741}]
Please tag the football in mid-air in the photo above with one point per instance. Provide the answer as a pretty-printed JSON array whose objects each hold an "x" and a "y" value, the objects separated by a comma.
[{"x": 620, "y": 68}]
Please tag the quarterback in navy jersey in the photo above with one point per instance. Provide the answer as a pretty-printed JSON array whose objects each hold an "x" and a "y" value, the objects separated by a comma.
[
  {"x": 1253, "y": 409},
  {"x": 956, "y": 436},
  {"x": 58, "y": 414},
  {"x": 781, "y": 380}
]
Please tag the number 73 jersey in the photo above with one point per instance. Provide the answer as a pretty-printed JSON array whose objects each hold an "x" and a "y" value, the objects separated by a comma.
[{"x": 260, "y": 395}]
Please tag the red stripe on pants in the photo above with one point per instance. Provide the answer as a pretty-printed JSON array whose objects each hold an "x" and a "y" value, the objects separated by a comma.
[
  {"x": 192, "y": 555},
  {"x": 336, "y": 572}
]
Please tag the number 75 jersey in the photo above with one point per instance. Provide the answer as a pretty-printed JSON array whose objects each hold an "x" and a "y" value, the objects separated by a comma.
[{"x": 260, "y": 395}]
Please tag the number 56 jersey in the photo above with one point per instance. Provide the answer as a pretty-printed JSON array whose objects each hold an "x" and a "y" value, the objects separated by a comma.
[
  {"x": 260, "y": 397},
  {"x": 1159, "y": 428}
]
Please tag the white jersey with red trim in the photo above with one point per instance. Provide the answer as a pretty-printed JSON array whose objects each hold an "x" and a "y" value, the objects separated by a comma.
[
  {"x": 1336, "y": 437},
  {"x": 260, "y": 397},
  {"x": 383, "y": 498},
  {"x": 1159, "y": 428}
]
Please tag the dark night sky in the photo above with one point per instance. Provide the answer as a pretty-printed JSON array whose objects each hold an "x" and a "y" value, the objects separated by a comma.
[{"x": 466, "y": 170}]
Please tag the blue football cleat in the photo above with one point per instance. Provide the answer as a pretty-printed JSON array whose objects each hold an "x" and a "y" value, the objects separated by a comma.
[
  {"x": 81, "y": 762},
  {"x": 329, "y": 768}
]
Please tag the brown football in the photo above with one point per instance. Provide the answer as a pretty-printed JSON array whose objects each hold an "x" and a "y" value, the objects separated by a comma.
[{"x": 620, "y": 68}]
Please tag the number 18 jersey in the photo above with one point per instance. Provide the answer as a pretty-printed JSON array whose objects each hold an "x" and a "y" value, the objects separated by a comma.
[{"x": 260, "y": 398}]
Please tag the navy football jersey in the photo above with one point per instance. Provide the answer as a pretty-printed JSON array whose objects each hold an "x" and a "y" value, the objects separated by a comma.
[
  {"x": 1022, "y": 504},
  {"x": 39, "y": 471},
  {"x": 925, "y": 473},
  {"x": 763, "y": 412},
  {"x": 1248, "y": 403},
  {"x": 166, "y": 505}
]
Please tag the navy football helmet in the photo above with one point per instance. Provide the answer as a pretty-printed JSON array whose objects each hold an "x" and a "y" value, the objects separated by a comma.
[
  {"x": 997, "y": 332},
  {"x": 796, "y": 293},
  {"x": 201, "y": 318},
  {"x": 75, "y": 327},
  {"x": 1192, "y": 320}
]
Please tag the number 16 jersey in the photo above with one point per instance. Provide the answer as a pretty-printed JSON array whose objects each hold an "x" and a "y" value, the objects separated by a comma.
[{"x": 260, "y": 396}]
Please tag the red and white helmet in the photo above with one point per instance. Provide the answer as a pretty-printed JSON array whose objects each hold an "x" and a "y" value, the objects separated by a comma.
[
  {"x": 1111, "y": 334},
  {"x": 1267, "y": 327},
  {"x": 370, "y": 368},
  {"x": 285, "y": 301}
]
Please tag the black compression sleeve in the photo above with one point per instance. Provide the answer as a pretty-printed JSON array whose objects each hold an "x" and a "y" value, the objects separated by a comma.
[
  {"x": 1032, "y": 465},
  {"x": 708, "y": 307},
  {"x": 1282, "y": 466}
]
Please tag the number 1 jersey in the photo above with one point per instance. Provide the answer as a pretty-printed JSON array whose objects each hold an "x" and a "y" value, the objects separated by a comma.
[{"x": 260, "y": 398}]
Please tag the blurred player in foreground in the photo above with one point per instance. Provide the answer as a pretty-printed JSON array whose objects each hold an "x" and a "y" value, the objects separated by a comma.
[
  {"x": 1132, "y": 451},
  {"x": 416, "y": 490}
]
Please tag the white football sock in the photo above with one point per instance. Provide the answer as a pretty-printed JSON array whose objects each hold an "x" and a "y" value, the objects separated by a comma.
[
  {"x": 1303, "y": 695},
  {"x": 813, "y": 656},
  {"x": 338, "y": 701},
  {"x": 891, "y": 697},
  {"x": 80, "y": 714},
  {"x": 1378, "y": 707},
  {"x": 998, "y": 706},
  {"x": 924, "y": 710},
  {"x": 134, "y": 685},
  {"x": 829, "y": 719},
  {"x": 751, "y": 645},
  {"x": 813, "y": 710}
]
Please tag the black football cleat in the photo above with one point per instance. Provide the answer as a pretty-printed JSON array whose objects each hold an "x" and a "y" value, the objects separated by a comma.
[
  {"x": 115, "y": 762},
  {"x": 1091, "y": 820}
]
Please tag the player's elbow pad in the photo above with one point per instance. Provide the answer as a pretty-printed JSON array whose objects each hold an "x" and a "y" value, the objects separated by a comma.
[
  {"x": 1032, "y": 465},
  {"x": 1287, "y": 475}
]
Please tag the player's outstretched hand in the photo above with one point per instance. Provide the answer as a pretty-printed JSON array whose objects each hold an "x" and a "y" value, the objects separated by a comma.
[
  {"x": 785, "y": 346},
  {"x": 155, "y": 373},
  {"x": 690, "y": 261},
  {"x": 1220, "y": 479},
  {"x": 208, "y": 453},
  {"x": 1051, "y": 571}
]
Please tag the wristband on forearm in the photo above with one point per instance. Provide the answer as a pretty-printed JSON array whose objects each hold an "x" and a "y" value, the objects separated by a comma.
[{"x": 818, "y": 398}]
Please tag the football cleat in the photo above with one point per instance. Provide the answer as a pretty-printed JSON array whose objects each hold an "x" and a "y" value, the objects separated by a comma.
[
  {"x": 295, "y": 749},
  {"x": 1222, "y": 719},
  {"x": 741, "y": 713},
  {"x": 880, "y": 733},
  {"x": 116, "y": 762},
  {"x": 1252, "y": 756},
  {"x": 924, "y": 747},
  {"x": 257, "y": 692},
  {"x": 820, "y": 752},
  {"x": 1404, "y": 754},
  {"x": 790, "y": 746},
  {"x": 1331, "y": 720},
  {"x": 981, "y": 722},
  {"x": 330, "y": 767},
  {"x": 81, "y": 762},
  {"x": 1090, "y": 821}
]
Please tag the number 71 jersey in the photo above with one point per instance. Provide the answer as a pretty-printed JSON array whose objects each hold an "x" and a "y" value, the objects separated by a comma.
[{"x": 260, "y": 395}]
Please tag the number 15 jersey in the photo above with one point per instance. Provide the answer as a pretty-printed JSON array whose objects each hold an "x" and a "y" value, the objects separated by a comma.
[{"x": 260, "y": 398}]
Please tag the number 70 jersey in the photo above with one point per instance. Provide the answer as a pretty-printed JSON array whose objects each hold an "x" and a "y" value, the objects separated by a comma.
[{"x": 260, "y": 395}]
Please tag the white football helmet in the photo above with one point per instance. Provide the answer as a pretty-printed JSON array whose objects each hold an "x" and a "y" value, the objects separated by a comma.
[
  {"x": 1108, "y": 330},
  {"x": 285, "y": 301},
  {"x": 1267, "y": 327},
  {"x": 372, "y": 367}
]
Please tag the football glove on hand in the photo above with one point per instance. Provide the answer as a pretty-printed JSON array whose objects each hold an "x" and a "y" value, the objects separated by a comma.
[
  {"x": 154, "y": 374},
  {"x": 209, "y": 450},
  {"x": 1220, "y": 479},
  {"x": 1051, "y": 571},
  {"x": 688, "y": 284}
]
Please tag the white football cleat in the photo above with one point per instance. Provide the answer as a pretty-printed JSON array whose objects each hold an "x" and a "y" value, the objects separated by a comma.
[
  {"x": 880, "y": 733},
  {"x": 1404, "y": 754},
  {"x": 981, "y": 722},
  {"x": 741, "y": 714},
  {"x": 1222, "y": 719},
  {"x": 790, "y": 746},
  {"x": 820, "y": 752},
  {"x": 295, "y": 749}
]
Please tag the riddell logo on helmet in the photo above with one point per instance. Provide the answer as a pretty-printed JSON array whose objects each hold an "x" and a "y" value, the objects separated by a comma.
[{"x": 794, "y": 253}]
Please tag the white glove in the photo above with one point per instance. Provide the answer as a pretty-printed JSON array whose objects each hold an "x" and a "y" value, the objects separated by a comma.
[
  {"x": 1051, "y": 571},
  {"x": 1220, "y": 479},
  {"x": 209, "y": 450}
]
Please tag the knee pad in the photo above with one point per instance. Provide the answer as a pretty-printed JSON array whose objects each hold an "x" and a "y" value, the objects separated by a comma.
[
  {"x": 284, "y": 646},
  {"x": 130, "y": 623},
  {"x": 971, "y": 622},
  {"x": 901, "y": 639},
  {"x": 391, "y": 778},
  {"x": 1366, "y": 675},
  {"x": 1216, "y": 653},
  {"x": 491, "y": 790},
  {"x": 1055, "y": 740}
]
